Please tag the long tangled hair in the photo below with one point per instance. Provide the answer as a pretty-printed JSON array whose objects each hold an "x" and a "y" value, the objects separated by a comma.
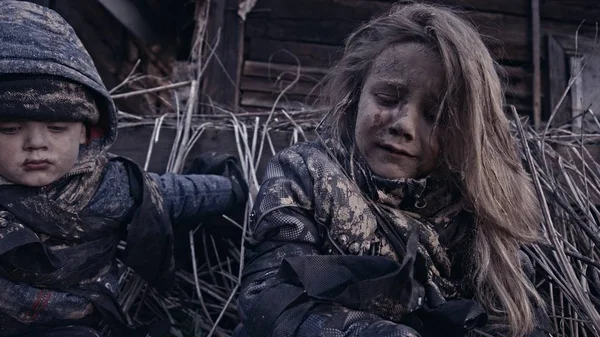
[{"x": 477, "y": 150}]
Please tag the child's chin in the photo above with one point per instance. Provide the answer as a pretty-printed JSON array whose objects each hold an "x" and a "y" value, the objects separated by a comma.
[{"x": 38, "y": 179}]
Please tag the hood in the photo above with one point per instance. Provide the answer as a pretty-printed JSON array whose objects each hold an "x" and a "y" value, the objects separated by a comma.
[{"x": 36, "y": 40}]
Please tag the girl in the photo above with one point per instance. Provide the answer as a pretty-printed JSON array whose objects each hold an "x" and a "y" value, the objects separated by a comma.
[{"x": 406, "y": 217}]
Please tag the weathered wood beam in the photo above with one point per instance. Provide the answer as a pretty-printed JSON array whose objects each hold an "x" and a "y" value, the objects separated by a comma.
[
  {"x": 138, "y": 20},
  {"x": 225, "y": 33},
  {"x": 537, "y": 72},
  {"x": 558, "y": 75},
  {"x": 292, "y": 52},
  {"x": 573, "y": 11}
]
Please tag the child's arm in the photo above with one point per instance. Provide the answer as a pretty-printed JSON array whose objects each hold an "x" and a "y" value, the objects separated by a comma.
[
  {"x": 192, "y": 196},
  {"x": 283, "y": 226},
  {"x": 214, "y": 185}
]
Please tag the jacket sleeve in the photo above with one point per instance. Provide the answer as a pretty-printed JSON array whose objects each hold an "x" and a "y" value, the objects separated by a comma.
[
  {"x": 190, "y": 197},
  {"x": 283, "y": 226}
]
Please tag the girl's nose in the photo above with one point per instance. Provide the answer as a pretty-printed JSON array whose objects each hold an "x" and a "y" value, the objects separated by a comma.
[{"x": 405, "y": 122}]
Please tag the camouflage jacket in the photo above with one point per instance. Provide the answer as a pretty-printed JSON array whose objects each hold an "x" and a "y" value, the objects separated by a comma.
[{"x": 322, "y": 261}]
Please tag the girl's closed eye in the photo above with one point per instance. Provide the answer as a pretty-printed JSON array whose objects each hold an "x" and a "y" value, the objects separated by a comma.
[
  {"x": 389, "y": 94},
  {"x": 387, "y": 99}
]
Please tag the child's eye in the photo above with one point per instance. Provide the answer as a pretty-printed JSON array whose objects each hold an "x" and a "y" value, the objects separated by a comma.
[
  {"x": 57, "y": 128},
  {"x": 387, "y": 100},
  {"x": 9, "y": 130}
]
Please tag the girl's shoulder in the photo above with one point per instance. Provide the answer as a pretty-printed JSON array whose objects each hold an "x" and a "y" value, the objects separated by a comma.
[
  {"x": 305, "y": 150},
  {"x": 312, "y": 158}
]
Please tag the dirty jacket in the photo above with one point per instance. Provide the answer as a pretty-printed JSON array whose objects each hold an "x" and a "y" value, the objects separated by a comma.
[
  {"x": 323, "y": 262},
  {"x": 58, "y": 243}
]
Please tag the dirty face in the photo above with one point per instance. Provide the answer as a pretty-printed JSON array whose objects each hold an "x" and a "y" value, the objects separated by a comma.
[
  {"x": 39, "y": 153},
  {"x": 397, "y": 109}
]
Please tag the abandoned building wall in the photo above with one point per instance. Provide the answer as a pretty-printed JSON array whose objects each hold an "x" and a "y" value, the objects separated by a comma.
[{"x": 313, "y": 32}]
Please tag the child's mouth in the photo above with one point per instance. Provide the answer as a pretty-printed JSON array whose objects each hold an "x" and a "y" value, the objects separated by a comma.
[
  {"x": 36, "y": 165},
  {"x": 396, "y": 151}
]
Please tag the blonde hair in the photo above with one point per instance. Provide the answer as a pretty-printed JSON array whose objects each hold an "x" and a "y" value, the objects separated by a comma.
[{"x": 477, "y": 149}]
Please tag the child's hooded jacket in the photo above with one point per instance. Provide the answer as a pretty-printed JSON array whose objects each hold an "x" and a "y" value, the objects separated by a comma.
[{"x": 58, "y": 243}]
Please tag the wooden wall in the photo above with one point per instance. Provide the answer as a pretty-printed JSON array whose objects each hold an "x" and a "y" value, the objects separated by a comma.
[{"x": 314, "y": 30}]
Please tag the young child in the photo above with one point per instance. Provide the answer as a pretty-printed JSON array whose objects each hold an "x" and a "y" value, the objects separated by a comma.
[
  {"x": 407, "y": 216},
  {"x": 65, "y": 203}
]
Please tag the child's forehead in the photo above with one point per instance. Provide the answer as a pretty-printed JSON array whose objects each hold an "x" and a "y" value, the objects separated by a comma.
[
  {"x": 406, "y": 64},
  {"x": 404, "y": 57}
]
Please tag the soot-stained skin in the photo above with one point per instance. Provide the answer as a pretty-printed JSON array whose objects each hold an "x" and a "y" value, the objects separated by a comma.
[
  {"x": 397, "y": 109},
  {"x": 39, "y": 153}
]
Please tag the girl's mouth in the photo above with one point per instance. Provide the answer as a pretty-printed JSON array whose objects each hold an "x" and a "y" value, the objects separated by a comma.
[{"x": 396, "y": 150}]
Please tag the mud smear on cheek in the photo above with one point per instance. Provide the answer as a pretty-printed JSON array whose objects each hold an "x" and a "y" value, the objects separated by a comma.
[{"x": 377, "y": 119}]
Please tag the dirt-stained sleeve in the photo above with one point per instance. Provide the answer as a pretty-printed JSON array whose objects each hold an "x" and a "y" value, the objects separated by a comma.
[{"x": 283, "y": 226}]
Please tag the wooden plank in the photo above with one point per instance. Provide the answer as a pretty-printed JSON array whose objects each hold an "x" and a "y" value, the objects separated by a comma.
[
  {"x": 584, "y": 43},
  {"x": 365, "y": 9},
  {"x": 262, "y": 84},
  {"x": 558, "y": 79},
  {"x": 308, "y": 54},
  {"x": 267, "y": 100},
  {"x": 573, "y": 11},
  {"x": 537, "y": 84},
  {"x": 331, "y": 32},
  {"x": 222, "y": 76},
  {"x": 572, "y": 36},
  {"x": 505, "y": 35},
  {"x": 271, "y": 70}
]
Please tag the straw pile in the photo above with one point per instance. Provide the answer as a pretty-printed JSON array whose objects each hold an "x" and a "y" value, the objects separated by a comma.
[
  {"x": 203, "y": 302},
  {"x": 567, "y": 179}
]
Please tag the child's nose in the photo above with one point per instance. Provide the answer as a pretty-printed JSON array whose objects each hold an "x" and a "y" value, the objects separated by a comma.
[
  {"x": 405, "y": 121},
  {"x": 35, "y": 140}
]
